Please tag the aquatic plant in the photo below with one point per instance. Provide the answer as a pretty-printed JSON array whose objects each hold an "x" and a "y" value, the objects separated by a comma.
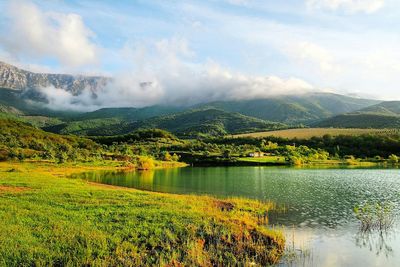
[
  {"x": 378, "y": 216},
  {"x": 296, "y": 253}
]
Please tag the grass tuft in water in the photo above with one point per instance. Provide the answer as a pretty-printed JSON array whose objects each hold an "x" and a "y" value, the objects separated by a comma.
[{"x": 377, "y": 216}]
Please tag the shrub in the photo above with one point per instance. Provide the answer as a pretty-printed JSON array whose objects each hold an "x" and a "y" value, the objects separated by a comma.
[
  {"x": 393, "y": 158},
  {"x": 145, "y": 163}
]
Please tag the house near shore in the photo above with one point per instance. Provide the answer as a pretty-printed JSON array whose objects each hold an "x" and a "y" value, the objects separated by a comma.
[{"x": 256, "y": 154}]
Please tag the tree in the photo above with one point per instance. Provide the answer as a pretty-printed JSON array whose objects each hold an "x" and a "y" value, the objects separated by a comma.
[
  {"x": 227, "y": 153},
  {"x": 175, "y": 157},
  {"x": 393, "y": 158},
  {"x": 61, "y": 157},
  {"x": 21, "y": 156},
  {"x": 145, "y": 163},
  {"x": 167, "y": 156}
]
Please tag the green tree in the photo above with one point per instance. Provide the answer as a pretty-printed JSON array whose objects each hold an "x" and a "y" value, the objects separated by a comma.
[
  {"x": 167, "y": 156},
  {"x": 145, "y": 163},
  {"x": 393, "y": 158},
  {"x": 61, "y": 157},
  {"x": 175, "y": 157},
  {"x": 227, "y": 153}
]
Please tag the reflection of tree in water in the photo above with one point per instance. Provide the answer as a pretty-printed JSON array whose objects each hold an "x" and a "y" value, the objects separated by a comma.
[
  {"x": 376, "y": 241},
  {"x": 376, "y": 227}
]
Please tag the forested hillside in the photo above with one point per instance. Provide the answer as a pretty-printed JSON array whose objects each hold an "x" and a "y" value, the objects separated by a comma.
[
  {"x": 361, "y": 120},
  {"x": 190, "y": 123},
  {"x": 295, "y": 109}
]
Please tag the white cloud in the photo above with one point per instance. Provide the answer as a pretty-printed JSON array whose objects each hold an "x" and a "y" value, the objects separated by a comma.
[
  {"x": 38, "y": 34},
  {"x": 307, "y": 52},
  {"x": 350, "y": 6},
  {"x": 238, "y": 2},
  {"x": 161, "y": 74}
]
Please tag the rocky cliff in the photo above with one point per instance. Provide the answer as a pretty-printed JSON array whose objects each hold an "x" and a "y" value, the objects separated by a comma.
[{"x": 12, "y": 77}]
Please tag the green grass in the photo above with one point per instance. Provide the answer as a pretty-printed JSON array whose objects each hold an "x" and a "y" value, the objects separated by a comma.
[
  {"x": 267, "y": 159},
  {"x": 47, "y": 219},
  {"x": 307, "y": 133}
]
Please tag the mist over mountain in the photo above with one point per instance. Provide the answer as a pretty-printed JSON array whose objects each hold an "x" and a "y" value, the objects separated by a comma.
[
  {"x": 183, "y": 85},
  {"x": 59, "y": 103}
]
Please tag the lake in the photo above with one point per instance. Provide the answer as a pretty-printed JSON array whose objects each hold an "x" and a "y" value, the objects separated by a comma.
[{"x": 319, "y": 221}]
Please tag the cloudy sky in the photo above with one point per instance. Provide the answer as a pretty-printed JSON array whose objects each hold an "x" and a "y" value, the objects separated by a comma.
[{"x": 223, "y": 47}]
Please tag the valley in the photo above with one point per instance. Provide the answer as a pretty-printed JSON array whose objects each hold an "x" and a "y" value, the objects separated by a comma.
[{"x": 131, "y": 172}]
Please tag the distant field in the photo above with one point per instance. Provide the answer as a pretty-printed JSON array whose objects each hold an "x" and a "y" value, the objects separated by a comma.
[
  {"x": 268, "y": 159},
  {"x": 305, "y": 133}
]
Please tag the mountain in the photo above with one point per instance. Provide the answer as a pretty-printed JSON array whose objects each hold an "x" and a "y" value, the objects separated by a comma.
[
  {"x": 187, "y": 124},
  {"x": 108, "y": 121},
  {"x": 382, "y": 115},
  {"x": 131, "y": 114},
  {"x": 361, "y": 120},
  {"x": 385, "y": 108},
  {"x": 208, "y": 121},
  {"x": 14, "y": 101},
  {"x": 20, "y": 99},
  {"x": 294, "y": 109},
  {"x": 14, "y": 78}
]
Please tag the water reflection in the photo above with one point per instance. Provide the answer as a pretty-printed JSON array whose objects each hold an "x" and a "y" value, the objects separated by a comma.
[
  {"x": 319, "y": 205},
  {"x": 378, "y": 242}
]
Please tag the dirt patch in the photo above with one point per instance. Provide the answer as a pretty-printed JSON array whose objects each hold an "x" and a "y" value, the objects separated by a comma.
[{"x": 12, "y": 189}]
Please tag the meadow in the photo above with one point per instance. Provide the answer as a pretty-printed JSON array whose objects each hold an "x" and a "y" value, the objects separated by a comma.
[
  {"x": 49, "y": 219},
  {"x": 307, "y": 133}
]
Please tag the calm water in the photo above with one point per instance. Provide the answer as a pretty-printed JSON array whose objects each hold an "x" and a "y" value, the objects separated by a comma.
[{"x": 319, "y": 221}]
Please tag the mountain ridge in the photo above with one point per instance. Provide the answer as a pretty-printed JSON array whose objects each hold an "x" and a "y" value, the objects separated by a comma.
[
  {"x": 19, "y": 79},
  {"x": 19, "y": 97},
  {"x": 382, "y": 115}
]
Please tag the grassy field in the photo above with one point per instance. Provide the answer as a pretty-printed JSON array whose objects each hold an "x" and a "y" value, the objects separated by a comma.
[
  {"x": 306, "y": 133},
  {"x": 267, "y": 159},
  {"x": 313, "y": 163},
  {"x": 48, "y": 219}
]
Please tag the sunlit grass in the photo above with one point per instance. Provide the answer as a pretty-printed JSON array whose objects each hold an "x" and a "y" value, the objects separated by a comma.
[
  {"x": 48, "y": 219},
  {"x": 266, "y": 159},
  {"x": 306, "y": 133}
]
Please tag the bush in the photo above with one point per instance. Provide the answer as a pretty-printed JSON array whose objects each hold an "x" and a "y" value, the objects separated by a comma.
[
  {"x": 393, "y": 159},
  {"x": 145, "y": 163}
]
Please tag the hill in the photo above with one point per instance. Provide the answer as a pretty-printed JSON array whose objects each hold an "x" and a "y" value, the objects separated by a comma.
[
  {"x": 302, "y": 109},
  {"x": 189, "y": 123},
  {"x": 382, "y": 115},
  {"x": 391, "y": 108},
  {"x": 307, "y": 133},
  {"x": 15, "y": 106},
  {"x": 209, "y": 122},
  {"x": 20, "y": 140},
  {"x": 361, "y": 120},
  {"x": 128, "y": 113},
  {"x": 20, "y": 101}
]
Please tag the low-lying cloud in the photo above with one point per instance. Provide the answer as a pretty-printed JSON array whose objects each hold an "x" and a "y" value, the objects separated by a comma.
[{"x": 164, "y": 73}]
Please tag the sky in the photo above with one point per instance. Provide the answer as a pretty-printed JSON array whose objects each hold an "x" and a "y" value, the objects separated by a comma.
[{"x": 210, "y": 50}]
